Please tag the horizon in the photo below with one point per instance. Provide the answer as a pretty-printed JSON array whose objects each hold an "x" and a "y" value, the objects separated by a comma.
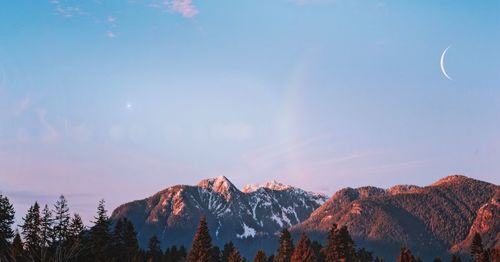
[
  {"x": 117, "y": 100},
  {"x": 88, "y": 217}
]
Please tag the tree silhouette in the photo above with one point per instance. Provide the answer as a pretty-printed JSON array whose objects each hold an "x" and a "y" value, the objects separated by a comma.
[
  {"x": 226, "y": 251},
  {"x": 47, "y": 233},
  {"x": 131, "y": 243},
  {"x": 154, "y": 250},
  {"x": 17, "y": 249},
  {"x": 405, "y": 256},
  {"x": 201, "y": 249},
  {"x": 31, "y": 229},
  {"x": 61, "y": 220},
  {"x": 260, "y": 256},
  {"x": 6, "y": 221},
  {"x": 286, "y": 247},
  {"x": 364, "y": 256},
  {"x": 235, "y": 257},
  {"x": 340, "y": 245},
  {"x": 455, "y": 258},
  {"x": 303, "y": 251},
  {"x": 100, "y": 235}
]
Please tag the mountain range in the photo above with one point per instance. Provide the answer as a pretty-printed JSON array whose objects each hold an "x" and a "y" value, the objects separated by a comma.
[
  {"x": 435, "y": 220},
  {"x": 241, "y": 216}
]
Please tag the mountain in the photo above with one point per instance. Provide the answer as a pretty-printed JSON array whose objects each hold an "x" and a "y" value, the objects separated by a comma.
[
  {"x": 432, "y": 221},
  {"x": 257, "y": 212},
  {"x": 486, "y": 223}
]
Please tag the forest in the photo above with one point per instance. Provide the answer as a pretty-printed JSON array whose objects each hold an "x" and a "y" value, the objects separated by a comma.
[{"x": 54, "y": 234}]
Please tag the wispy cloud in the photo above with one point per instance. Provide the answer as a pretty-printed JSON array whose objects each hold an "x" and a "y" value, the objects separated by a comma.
[
  {"x": 50, "y": 133},
  {"x": 111, "y": 34},
  {"x": 185, "y": 7},
  {"x": 111, "y": 19},
  {"x": 65, "y": 9},
  {"x": 23, "y": 105}
]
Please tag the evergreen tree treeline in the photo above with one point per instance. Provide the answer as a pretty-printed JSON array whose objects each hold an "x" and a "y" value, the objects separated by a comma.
[{"x": 57, "y": 235}]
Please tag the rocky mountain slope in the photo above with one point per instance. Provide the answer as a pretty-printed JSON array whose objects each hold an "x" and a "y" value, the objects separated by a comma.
[
  {"x": 431, "y": 220},
  {"x": 486, "y": 223},
  {"x": 257, "y": 212}
]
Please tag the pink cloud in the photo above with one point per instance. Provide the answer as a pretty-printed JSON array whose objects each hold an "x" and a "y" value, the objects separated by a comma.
[{"x": 183, "y": 7}]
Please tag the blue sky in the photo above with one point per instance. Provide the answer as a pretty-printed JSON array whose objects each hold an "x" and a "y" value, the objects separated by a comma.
[{"x": 119, "y": 99}]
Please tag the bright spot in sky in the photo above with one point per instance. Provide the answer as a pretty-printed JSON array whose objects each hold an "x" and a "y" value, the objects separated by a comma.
[{"x": 129, "y": 106}]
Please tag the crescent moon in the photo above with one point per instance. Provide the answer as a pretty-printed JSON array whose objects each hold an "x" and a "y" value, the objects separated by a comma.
[{"x": 442, "y": 64}]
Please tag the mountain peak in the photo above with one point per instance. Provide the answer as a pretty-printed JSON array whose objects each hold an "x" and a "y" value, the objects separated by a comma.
[
  {"x": 273, "y": 185},
  {"x": 453, "y": 179},
  {"x": 218, "y": 184}
]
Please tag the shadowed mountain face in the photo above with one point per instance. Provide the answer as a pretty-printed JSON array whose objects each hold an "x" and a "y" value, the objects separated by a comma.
[
  {"x": 257, "y": 212},
  {"x": 429, "y": 220}
]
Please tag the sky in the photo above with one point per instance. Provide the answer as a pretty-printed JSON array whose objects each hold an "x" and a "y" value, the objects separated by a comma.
[{"x": 120, "y": 99}]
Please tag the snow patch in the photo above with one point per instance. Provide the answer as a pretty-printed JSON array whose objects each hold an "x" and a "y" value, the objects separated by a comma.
[
  {"x": 277, "y": 219},
  {"x": 247, "y": 232}
]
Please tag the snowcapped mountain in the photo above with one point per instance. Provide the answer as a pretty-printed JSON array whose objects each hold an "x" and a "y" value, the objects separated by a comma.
[{"x": 258, "y": 211}]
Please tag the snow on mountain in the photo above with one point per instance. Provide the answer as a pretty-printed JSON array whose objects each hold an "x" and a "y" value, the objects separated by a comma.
[
  {"x": 258, "y": 211},
  {"x": 274, "y": 185}
]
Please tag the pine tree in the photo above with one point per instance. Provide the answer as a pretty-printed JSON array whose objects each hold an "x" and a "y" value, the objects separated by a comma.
[
  {"x": 61, "y": 220},
  {"x": 6, "y": 221},
  {"x": 46, "y": 227},
  {"x": 100, "y": 235},
  {"x": 17, "y": 250},
  {"x": 405, "y": 256},
  {"x": 173, "y": 254},
  {"x": 216, "y": 254},
  {"x": 74, "y": 243},
  {"x": 476, "y": 247},
  {"x": 285, "y": 249},
  {"x": 347, "y": 249},
  {"x": 201, "y": 249},
  {"x": 76, "y": 227},
  {"x": 182, "y": 253},
  {"x": 364, "y": 256},
  {"x": 131, "y": 243},
  {"x": 317, "y": 247},
  {"x": 154, "y": 250},
  {"x": 118, "y": 241},
  {"x": 31, "y": 229},
  {"x": 260, "y": 256},
  {"x": 235, "y": 256},
  {"x": 46, "y": 234},
  {"x": 226, "y": 251},
  {"x": 303, "y": 251},
  {"x": 340, "y": 245},
  {"x": 455, "y": 258}
]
